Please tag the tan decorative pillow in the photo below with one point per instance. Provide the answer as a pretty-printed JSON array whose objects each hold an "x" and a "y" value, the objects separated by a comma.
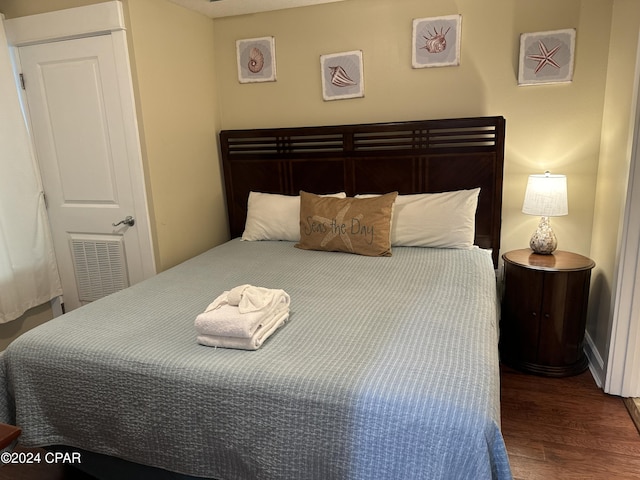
[{"x": 353, "y": 225}]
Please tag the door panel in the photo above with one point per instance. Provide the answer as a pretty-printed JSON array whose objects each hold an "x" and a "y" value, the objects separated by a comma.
[
  {"x": 76, "y": 113},
  {"x": 83, "y": 158},
  {"x": 521, "y": 311},
  {"x": 564, "y": 306}
]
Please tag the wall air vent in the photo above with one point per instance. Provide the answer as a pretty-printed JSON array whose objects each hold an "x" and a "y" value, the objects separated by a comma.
[{"x": 100, "y": 265}]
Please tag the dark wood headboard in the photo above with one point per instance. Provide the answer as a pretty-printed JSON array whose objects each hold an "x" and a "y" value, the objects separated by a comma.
[{"x": 409, "y": 157}]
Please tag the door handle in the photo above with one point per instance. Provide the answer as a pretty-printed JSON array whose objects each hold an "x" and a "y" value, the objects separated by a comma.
[{"x": 128, "y": 220}]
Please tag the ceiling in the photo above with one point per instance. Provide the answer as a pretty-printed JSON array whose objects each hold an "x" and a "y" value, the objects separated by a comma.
[{"x": 227, "y": 8}]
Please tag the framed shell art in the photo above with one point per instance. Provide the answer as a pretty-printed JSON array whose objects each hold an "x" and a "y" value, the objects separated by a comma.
[
  {"x": 342, "y": 75},
  {"x": 256, "y": 60},
  {"x": 436, "y": 41},
  {"x": 546, "y": 57}
]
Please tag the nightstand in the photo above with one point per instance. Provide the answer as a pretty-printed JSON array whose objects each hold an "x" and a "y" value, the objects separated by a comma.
[{"x": 544, "y": 312}]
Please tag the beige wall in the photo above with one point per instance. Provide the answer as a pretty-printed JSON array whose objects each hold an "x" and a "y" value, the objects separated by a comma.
[
  {"x": 554, "y": 127},
  {"x": 615, "y": 152},
  {"x": 186, "y": 83},
  {"x": 32, "y": 318},
  {"x": 21, "y": 8},
  {"x": 175, "y": 88}
]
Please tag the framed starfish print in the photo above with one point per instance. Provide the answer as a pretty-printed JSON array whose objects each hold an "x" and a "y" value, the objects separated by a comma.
[{"x": 546, "y": 57}]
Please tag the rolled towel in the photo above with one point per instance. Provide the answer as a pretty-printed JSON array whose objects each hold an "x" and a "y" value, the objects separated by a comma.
[
  {"x": 235, "y": 294},
  {"x": 252, "y": 299},
  {"x": 253, "y": 343}
]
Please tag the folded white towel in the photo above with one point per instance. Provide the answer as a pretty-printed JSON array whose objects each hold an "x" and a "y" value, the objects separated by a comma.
[
  {"x": 241, "y": 311},
  {"x": 227, "y": 321},
  {"x": 253, "y": 343}
]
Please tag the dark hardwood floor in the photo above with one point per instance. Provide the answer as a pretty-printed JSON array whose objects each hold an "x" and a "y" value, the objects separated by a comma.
[
  {"x": 554, "y": 429},
  {"x": 38, "y": 471},
  {"x": 566, "y": 429}
]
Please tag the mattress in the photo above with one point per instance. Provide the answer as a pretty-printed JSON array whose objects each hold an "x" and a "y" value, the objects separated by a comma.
[{"x": 387, "y": 368}]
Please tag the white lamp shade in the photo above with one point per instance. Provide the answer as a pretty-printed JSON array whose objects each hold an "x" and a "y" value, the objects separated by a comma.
[{"x": 546, "y": 196}]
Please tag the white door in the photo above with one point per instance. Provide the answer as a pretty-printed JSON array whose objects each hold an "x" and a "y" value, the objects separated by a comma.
[{"x": 73, "y": 94}]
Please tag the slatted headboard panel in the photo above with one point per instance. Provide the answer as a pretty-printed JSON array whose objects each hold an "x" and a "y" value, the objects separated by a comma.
[{"x": 409, "y": 157}]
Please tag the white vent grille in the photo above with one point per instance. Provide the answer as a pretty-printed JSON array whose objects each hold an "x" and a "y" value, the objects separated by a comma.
[{"x": 100, "y": 267}]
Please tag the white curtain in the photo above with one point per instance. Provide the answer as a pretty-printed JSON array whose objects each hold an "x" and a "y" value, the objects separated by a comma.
[{"x": 28, "y": 271}]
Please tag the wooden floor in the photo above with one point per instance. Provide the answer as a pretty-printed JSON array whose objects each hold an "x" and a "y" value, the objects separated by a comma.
[
  {"x": 554, "y": 429},
  {"x": 567, "y": 429},
  {"x": 40, "y": 471}
]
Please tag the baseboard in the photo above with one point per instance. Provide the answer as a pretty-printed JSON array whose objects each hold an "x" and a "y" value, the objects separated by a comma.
[
  {"x": 633, "y": 405},
  {"x": 596, "y": 363}
]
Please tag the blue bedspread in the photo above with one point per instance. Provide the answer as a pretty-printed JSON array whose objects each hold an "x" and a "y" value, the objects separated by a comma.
[{"x": 387, "y": 369}]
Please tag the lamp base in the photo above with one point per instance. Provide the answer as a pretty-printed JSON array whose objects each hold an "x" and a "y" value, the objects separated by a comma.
[{"x": 543, "y": 241}]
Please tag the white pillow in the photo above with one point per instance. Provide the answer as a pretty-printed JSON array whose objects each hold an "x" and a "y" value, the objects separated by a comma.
[
  {"x": 444, "y": 220},
  {"x": 271, "y": 216}
]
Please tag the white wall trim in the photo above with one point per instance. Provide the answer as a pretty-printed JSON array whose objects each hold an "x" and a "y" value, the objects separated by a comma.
[
  {"x": 65, "y": 24},
  {"x": 136, "y": 170},
  {"x": 596, "y": 362},
  {"x": 56, "y": 306},
  {"x": 623, "y": 365}
]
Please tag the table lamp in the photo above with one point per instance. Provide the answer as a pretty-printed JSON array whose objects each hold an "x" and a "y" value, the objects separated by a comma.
[{"x": 546, "y": 196}]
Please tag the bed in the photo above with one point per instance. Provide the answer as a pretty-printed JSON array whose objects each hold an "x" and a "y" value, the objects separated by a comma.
[{"x": 386, "y": 368}]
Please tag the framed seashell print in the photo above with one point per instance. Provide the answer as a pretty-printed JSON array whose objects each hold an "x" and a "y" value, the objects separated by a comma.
[
  {"x": 546, "y": 57},
  {"x": 436, "y": 41},
  {"x": 256, "y": 59},
  {"x": 342, "y": 75}
]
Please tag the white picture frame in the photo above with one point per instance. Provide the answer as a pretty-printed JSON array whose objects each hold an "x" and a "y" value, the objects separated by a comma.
[
  {"x": 547, "y": 57},
  {"x": 256, "y": 58},
  {"x": 342, "y": 75},
  {"x": 436, "y": 41}
]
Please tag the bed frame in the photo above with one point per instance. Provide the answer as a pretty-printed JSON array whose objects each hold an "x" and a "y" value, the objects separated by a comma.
[{"x": 409, "y": 157}]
